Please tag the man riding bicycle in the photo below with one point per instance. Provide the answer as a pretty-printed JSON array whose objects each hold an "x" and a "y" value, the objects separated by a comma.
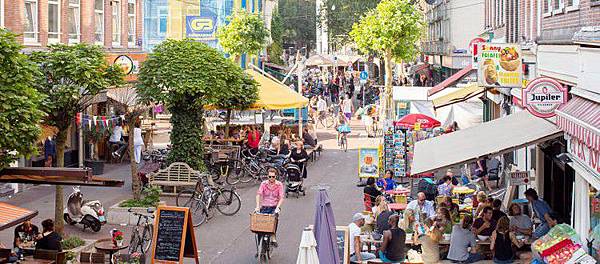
[{"x": 269, "y": 196}]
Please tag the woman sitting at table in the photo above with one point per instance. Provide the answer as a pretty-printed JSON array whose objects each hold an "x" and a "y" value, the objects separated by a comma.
[
  {"x": 50, "y": 240},
  {"x": 488, "y": 202},
  {"x": 461, "y": 240},
  {"x": 371, "y": 190},
  {"x": 519, "y": 223},
  {"x": 408, "y": 221},
  {"x": 452, "y": 208},
  {"x": 380, "y": 205},
  {"x": 387, "y": 182},
  {"x": 429, "y": 242},
  {"x": 444, "y": 220},
  {"x": 502, "y": 242}
]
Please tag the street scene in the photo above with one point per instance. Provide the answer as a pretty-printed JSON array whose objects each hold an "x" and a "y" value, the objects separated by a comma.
[{"x": 307, "y": 132}]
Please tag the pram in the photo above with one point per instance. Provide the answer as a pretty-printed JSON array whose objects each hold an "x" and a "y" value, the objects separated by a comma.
[{"x": 293, "y": 180}]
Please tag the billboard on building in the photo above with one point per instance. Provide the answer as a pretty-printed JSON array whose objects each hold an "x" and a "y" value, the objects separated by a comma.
[
  {"x": 499, "y": 65},
  {"x": 201, "y": 27}
]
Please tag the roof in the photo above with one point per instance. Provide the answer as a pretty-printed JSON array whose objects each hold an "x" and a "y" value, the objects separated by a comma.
[
  {"x": 581, "y": 118},
  {"x": 11, "y": 215},
  {"x": 461, "y": 95},
  {"x": 491, "y": 138}
]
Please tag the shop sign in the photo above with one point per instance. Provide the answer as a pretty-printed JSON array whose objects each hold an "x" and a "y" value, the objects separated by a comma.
[
  {"x": 127, "y": 65},
  {"x": 474, "y": 51},
  {"x": 201, "y": 27},
  {"x": 368, "y": 162},
  {"x": 543, "y": 96},
  {"x": 499, "y": 65},
  {"x": 519, "y": 178},
  {"x": 583, "y": 153}
]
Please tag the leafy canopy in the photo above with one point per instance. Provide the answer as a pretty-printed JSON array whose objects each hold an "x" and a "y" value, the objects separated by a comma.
[
  {"x": 72, "y": 75},
  {"x": 19, "y": 101},
  {"x": 345, "y": 13},
  {"x": 245, "y": 33},
  {"x": 189, "y": 71},
  {"x": 394, "y": 26}
]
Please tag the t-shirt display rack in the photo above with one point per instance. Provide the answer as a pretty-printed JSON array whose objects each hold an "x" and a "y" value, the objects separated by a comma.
[{"x": 399, "y": 145}]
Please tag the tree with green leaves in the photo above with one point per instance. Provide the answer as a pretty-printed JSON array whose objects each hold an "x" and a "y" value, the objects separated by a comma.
[
  {"x": 19, "y": 102},
  {"x": 187, "y": 76},
  {"x": 299, "y": 22},
  {"x": 341, "y": 14},
  {"x": 71, "y": 76},
  {"x": 392, "y": 30},
  {"x": 275, "y": 50},
  {"x": 245, "y": 34}
]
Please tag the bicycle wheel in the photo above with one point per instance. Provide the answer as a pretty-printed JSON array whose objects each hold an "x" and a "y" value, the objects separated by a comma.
[
  {"x": 199, "y": 212},
  {"x": 327, "y": 121},
  {"x": 134, "y": 243},
  {"x": 228, "y": 202},
  {"x": 234, "y": 172},
  {"x": 146, "y": 238},
  {"x": 183, "y": 197}
]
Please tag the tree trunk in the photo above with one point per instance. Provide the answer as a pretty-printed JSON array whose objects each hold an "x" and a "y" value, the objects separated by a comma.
[
  {"x": 136, "y": 184},
  {"x": 59, "y": 225},
  {"x": 227, "y": 122},
  {"x": 387, "y": 105},
  {"x": 383, "y": 64},
  {"x": 237, "y": 59}
]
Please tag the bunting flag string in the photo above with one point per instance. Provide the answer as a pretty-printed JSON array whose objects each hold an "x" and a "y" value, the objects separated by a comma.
[{"x": 98, "y": 121}]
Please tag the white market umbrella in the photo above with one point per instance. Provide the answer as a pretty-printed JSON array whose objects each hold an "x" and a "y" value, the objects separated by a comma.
[{"x": 307, "y": 252}]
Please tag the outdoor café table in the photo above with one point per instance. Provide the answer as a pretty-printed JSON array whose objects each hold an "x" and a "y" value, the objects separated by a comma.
[
  {"x": 31, "y": 260},
  {"x": 397, "y": 207},
  {"x": 462, "y": 190},
  {"x": 402, "y": 191},
  {"x": 108, "y": 246}
]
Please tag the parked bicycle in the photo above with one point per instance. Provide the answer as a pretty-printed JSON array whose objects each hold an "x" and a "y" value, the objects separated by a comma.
[
  {"x": 204, "y": 198},
  {"x": 252, "y": 167},
  {"x": 141, "y": 237}
]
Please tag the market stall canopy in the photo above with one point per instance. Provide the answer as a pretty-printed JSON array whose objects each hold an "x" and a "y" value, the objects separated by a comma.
[
  {"x": 492, "y": 138},
  {"x": 319, "y": 60},
  {"x": 581, "y": 118},
  {"x": 274, "y": 95},
  {"x": 450, "y": 80},
  {"x": 410, "y": 120},
  {"x": 11, "y": 215},
  {"x": 461, "y": 95}
]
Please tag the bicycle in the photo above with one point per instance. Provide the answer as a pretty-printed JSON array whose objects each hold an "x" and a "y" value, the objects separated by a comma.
[
  {"x": 203, "y": 198},
  {"x": 325, "y": 118},
  {"x": 264, "y": 245},
  {"x": 143, "y": 240},
  {"x": 248, "y": 168}
]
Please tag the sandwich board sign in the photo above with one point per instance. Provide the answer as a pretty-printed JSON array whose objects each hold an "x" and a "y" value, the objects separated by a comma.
[{"x": 173, "y": 237}]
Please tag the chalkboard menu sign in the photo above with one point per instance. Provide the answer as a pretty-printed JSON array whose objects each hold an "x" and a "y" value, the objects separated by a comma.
[{"x": 173, "y": 236}]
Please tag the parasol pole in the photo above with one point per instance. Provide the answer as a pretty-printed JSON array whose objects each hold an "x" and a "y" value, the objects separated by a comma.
[{"x": 299, "y": 72}]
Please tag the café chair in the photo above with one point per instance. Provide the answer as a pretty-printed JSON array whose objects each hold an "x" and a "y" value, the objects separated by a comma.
[
  {"x": 367, "y": 202},
  {"x": 4, "y": 254},
  {"x": 45, "y": 254},
  {"x": 401, "y": 199},
  {"x": 91, "y": 257}
]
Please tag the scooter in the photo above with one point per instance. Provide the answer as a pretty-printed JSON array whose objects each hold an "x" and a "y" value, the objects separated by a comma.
[{"x": 88, "y": 213}]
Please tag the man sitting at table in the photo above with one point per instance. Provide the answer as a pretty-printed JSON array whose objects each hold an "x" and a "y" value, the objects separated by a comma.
[
  {"x": 421, "y": 206},
  {"x": 24, "y": 233},
  {"x": 50, "y": 240},
  {"x": 445, "y": 188},
  {"x": 461, "y": 240},
  {"x": 497, "y": 210},
  {"x": 356, "y": 254},
  {"x": 485, "y": 225},
  {"x": 393, "y": 247}
]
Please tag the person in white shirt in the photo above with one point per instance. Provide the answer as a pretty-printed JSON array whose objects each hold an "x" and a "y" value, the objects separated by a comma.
[
  {"x": 115, "y": 139},
  {"x": 421, "y": 206},
  {"x": 347, "y": 107},
  {"x": 138, "y": 142},
  {"x": 356, "y": 254}
]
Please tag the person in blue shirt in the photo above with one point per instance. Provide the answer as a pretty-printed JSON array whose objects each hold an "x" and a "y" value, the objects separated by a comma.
[
  {"x": 387, "y": 182},
  {"x": 542, "y": 210}
]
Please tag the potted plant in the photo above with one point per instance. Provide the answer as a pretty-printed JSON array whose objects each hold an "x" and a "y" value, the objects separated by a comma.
[
  {"x": 94, "y": 136},
  {"x": 117, "y": 237}
]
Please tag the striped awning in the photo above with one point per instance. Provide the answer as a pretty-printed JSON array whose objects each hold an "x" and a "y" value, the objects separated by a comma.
[
  {"x": 11, "y": 215},
  {"x": 580, "y": 118}
]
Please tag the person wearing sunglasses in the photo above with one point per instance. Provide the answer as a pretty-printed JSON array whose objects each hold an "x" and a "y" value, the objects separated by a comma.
[{"x": 269, "y": 196}]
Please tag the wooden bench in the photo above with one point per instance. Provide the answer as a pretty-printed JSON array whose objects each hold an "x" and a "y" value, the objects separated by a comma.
[{"x": 177, "y": 175}]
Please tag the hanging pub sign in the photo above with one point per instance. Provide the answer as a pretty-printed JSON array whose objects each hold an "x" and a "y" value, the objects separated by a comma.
[
  {"x": 543, "y": 96},
  {"x": 519, "y": 178},
  {"x": 499, "y": 65}
]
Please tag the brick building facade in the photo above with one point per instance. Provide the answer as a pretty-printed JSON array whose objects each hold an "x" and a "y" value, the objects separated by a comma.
[{"x": 115, "y": 24}]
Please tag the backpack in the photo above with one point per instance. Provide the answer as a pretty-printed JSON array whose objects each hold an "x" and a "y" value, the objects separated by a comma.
[{"x": 428, "y": 186}]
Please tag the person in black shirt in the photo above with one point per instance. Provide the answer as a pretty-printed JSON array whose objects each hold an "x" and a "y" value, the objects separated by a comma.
[
  {"x": 394, "y": 242},
  {"x": 371, "y": 190},
  {"x": 26, "y": 232},
  {"x": 308, "y": 139},
  {"x": 497, "y": 212},
  {"x": 50, "y": 240},
  {"x": 299, "y": 157}
]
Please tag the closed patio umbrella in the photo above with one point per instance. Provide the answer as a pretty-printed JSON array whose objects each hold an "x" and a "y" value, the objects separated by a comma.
[
  {"x": 307, "y": 253},
  {"x": 324, "y": 230}
]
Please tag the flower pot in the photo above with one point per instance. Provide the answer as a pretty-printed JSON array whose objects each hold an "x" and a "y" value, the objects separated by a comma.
[
  {"x": 97, "y": 166},
  {"x": 120, "y": 243}
]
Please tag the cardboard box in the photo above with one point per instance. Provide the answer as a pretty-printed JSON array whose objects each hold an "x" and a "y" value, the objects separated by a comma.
[{"x": 264, "y": 223}]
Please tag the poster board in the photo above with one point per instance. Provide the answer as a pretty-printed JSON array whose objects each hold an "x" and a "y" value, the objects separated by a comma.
[
  {"x": 342, "y": 234},
  {"x": 173, "y": 237},
  {"x": 368, "y": 162},
  {"x": 519, "y": 178},
  {"x": 499, "y": 65}
]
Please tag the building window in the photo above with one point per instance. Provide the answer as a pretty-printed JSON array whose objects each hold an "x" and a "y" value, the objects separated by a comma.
[
  {"x": 163, "y": 14},
  {"x": 1, "y": 13},
  {"x": 572, "y": 5},
  {"x": 53, "y": 21},
  {"x": 73, "y": 20},
  {"x": 547, "y": 6},
  {"x": 30, "y": 32},
  {"x": 131, "y": 22},
  {"x": 116, "y": 23},
  {"x": 99, "y": 21}
]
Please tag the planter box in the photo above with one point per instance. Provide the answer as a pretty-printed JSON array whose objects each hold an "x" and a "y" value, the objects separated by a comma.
[{"x": 117, "y": 215}]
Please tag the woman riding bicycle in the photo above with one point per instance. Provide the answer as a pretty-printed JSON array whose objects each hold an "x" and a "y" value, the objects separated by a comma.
[
  {"x": 269, "y": 196},
  {"x": 343, "y": 126}
]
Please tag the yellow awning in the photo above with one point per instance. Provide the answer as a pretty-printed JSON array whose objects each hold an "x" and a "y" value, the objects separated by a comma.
[
  {"x": 272, "y": 94},
  {"x": 461, "y": 95}
]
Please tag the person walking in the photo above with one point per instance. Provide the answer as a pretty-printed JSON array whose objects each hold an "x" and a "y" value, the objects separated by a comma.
[
  {"x": 347, "y": 108},
  {"x": 299, "y": 157},
  {"x": 138, "y": 142}
]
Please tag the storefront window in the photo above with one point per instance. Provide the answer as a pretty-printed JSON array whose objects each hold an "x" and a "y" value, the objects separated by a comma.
[
  {"x": 116, "y": 23},
  {"x": 595, "y": 221}
]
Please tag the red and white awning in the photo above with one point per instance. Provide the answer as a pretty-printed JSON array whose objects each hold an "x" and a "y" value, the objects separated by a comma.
[{"x": 580, "y": 118}]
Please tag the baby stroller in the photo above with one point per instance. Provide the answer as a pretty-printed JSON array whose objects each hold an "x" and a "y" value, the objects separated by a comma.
[{"x": 293, "y": 180}]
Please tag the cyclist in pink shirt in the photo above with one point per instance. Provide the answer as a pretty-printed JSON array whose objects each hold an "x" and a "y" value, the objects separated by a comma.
[{"x": 269, "y": 197}]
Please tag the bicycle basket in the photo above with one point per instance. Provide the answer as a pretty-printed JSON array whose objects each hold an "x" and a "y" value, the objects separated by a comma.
[{"x": 263, "y": 223}]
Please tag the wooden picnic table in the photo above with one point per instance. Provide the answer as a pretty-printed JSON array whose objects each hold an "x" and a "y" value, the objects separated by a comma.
[{"x": 31, "y": 260}]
